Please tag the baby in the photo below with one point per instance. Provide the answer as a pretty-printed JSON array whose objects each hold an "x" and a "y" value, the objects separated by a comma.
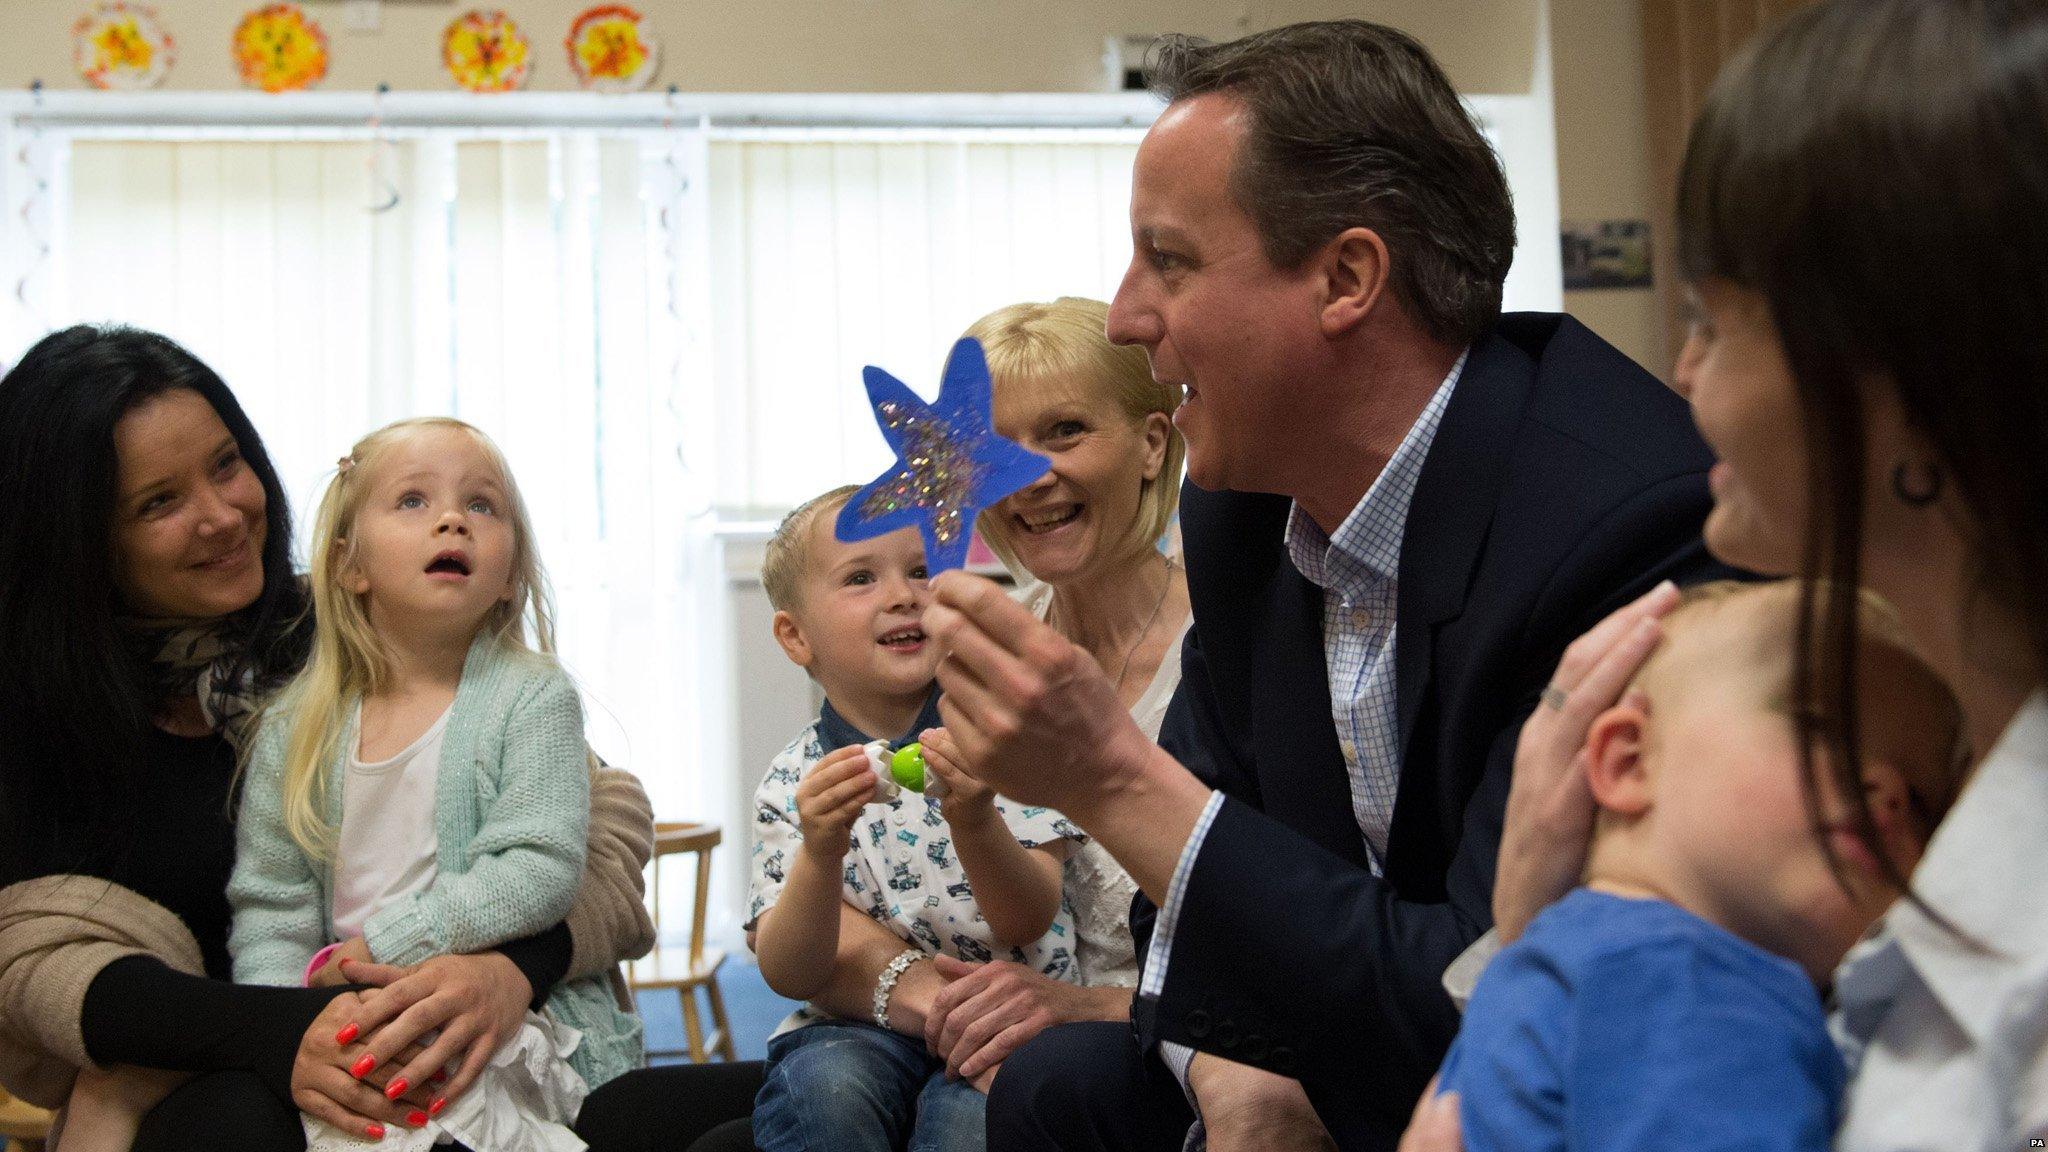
[{"x": 1672, "y": 1001}]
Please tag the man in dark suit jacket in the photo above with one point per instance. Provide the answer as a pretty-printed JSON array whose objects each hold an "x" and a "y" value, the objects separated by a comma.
[{"x": 1321, "y": 237}]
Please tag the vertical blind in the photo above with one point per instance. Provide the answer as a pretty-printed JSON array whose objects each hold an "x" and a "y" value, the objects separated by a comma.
[
  {"x": 830, "y": 254},
  {"x": 663, "y": 331}
]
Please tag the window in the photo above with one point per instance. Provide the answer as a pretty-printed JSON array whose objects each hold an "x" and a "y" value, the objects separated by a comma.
[
  {"x": 834, "y": 251},
  {"x": 519, "y": 281}
]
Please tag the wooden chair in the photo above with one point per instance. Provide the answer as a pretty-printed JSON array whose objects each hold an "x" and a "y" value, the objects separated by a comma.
[
  {"x": 691, "y": 966},
  {"x": 23, "y": 1125}
]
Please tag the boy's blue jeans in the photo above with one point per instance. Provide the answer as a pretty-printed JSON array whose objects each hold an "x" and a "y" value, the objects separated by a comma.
[{"x": 852, "y": 1087}]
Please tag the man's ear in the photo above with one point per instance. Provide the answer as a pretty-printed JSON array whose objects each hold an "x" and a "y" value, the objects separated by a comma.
[
  {"x": 1617, "y": 770},
  {"x": 791, "y": 636},
  {"x": 1355, "y": 273}
]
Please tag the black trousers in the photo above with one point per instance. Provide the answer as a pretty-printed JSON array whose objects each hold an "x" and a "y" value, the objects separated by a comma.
[
  {"x": 1086, "y": 1088},
  {"x": 665, "y": 1109}
]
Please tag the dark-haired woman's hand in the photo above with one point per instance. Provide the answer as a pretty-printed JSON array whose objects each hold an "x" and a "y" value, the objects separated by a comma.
[
  {"x": 462, "y": 1008},
  {"x": 325, "y": 1084},
  {"x": 1549, "y": 824}
]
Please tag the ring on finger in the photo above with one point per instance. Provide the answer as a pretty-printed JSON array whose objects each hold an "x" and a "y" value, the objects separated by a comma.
[{"x": 1554, "y": 696}]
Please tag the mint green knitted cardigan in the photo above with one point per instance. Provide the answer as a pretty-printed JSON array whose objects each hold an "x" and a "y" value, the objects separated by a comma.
[{"x": 512, "y": 810}]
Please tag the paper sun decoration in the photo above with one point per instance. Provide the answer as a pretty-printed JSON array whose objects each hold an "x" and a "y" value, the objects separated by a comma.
[
  {"x": 612, "y": 49},
  {"x": 486, "y": 52},
  {"x": 950, "y": 464},
  {"x": 121, "y": 45},
  {"x": 278, "y": 48}
]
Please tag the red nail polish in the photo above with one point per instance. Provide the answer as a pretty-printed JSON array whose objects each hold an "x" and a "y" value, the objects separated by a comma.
[
  {"x": 395, "y": 1089},
  {"x": 348, "y": 1034},
  {"x": 363, "y": 1067},
  {"x": 439, "y": 1103},
  {"x": 374, "y": 1131},
  {"x": 416, "y": 1118},
  {"x": 439, "y": 1077}
]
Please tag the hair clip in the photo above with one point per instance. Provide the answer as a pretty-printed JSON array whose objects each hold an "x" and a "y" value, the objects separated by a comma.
[{"x": 345, "y": 464}]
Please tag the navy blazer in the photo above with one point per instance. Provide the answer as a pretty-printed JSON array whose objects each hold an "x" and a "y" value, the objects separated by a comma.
[{"x": 1563, "y": 481}]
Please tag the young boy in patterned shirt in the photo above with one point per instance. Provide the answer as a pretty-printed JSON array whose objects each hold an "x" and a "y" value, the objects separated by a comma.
[{"x": 971, "y": 875}]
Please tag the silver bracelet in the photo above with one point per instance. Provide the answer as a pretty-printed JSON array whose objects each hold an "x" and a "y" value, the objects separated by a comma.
[{"x": 887, "y": 984}]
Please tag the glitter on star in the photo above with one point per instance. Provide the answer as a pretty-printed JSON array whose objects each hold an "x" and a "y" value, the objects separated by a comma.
[{"x": 950, "y": 464}]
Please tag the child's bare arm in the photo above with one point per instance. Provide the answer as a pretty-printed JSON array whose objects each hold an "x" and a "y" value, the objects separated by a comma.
[
  {"x": 797, "y": 939},
  {"x": 106, "y": 1107},
  {"x": 329, "y": 974},
  {"x": 1016, "y": 888}
]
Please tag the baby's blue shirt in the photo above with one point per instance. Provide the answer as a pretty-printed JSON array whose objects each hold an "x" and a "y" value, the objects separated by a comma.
[{"x": 1624, "y": 1025}]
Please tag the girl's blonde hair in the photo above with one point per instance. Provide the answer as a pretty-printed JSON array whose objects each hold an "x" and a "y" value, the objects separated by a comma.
[
  {"x": 349, "y": 660},
  {"x": 1065, "y": 346}
]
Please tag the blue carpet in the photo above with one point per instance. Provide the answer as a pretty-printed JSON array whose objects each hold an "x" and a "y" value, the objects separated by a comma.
[{"x": 753, "y": 1009}]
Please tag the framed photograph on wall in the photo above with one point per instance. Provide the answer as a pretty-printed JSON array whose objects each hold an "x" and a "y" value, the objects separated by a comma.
[{"x": 1605, "y": 254}]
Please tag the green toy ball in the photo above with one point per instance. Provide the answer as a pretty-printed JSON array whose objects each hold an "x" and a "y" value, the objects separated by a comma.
[{"x": 906, "y": 767}]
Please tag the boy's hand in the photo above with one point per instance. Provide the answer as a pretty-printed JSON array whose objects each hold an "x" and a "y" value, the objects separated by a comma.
[
  {"x": 830, "y": 798},
  {"x": 965, "y": 797},
  {"x": 329, "y": 975}
]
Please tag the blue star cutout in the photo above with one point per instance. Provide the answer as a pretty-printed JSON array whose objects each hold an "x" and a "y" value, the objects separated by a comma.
[{"x": 950, "y": 464}]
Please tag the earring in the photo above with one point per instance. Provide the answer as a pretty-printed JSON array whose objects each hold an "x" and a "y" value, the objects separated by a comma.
[{"x": 1920, "y": 492}]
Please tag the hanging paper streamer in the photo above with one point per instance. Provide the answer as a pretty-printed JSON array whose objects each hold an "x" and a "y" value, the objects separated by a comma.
[
  {"x": 379, "y": 159},
  {"x": 35, "y": 206},
  {"x": 122, "y": 46},
  {"x": 950, "y": 464},
  {"x": 279, "y": 48},
  {"x": 486, "y": 52},
  {"x": 612, "y": 49}
]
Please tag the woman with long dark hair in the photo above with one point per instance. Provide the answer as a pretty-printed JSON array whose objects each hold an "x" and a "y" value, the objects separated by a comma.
[
  {"x": 1863, "y": 219},
  {"x": 147, "y": 605}
]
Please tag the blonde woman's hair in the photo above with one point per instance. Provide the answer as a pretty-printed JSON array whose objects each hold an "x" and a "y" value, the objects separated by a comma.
[
  {"x": 787, "y": 558},
  {"x": 1065, "y": 345},
  {"x": 349, "y": 660}
]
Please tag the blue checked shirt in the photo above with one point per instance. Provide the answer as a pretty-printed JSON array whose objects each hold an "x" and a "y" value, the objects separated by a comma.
[{"x": 1357, "y": 568}]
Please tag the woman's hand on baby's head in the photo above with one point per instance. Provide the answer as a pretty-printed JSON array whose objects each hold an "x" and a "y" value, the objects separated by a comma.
[
  {"x": 830, "y": 797},
  {"x": 964, "y": 795}
]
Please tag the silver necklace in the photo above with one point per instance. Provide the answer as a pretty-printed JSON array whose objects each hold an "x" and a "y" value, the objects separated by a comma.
[{"x": 1132, "y": 651}]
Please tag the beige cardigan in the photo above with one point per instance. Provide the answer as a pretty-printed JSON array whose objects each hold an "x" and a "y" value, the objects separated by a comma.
[
  {"x": 609, "y": 924},
  {"x": 58, "y": 932}
]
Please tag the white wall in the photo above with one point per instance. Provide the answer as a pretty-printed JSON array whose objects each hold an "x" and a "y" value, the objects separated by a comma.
[
  {"x": 1603, "y": 160},
  {"x": 776, "y": 700}
]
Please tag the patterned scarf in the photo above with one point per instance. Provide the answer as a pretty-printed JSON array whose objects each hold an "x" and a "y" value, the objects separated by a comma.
[{"x": 205, "y": 658}]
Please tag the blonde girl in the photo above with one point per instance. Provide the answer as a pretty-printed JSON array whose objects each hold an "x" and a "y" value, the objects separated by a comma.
[{"x": 422, "y": 787}]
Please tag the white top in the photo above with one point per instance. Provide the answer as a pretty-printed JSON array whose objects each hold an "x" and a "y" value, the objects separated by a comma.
[
  {"x": 388, "y": 842},
  {"x": 1097, "y": 887},
  {"x": 1948, "y": 1046}
]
